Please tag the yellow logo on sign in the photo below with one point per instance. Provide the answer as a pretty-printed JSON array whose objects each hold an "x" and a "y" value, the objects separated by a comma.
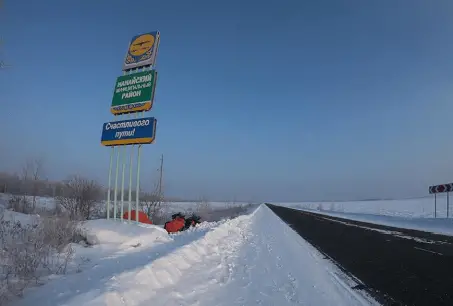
[
  {"x": 142, "y": 50},
  {"x": 141, "y": 45}
]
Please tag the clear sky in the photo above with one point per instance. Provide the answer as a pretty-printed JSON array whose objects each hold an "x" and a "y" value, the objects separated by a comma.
[{"x": 256, "y": 100}]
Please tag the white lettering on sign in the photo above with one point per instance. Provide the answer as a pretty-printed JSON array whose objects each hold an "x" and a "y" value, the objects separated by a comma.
[
  {"x": 135, "y": 80},
  {"x": 127, "y": 124},
  {"x": 132, "y": 87},
  {"x": 121, "y": 134},
  {"x": 131, "y": 94}
]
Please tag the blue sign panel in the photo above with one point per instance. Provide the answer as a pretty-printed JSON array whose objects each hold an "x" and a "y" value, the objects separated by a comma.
[{"x": 126, "y": 132}]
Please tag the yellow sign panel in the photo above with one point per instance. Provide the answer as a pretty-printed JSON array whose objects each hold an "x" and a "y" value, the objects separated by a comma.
[
  {"x": 141, "y": 45},
  {"x": 142, "y": 50}
]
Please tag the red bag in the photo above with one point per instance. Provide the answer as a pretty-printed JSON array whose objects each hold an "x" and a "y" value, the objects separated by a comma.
[{"x": 175, "y": 225}]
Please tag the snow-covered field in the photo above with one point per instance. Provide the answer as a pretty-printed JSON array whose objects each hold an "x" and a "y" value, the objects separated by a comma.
[
  {"x": 253, "y": 259},
  {"x": 435, "y": 225},
  {"x": 415, "y": 214},
  {"x": 49, "y": 203},
  {"x": 413, "y": 208}
]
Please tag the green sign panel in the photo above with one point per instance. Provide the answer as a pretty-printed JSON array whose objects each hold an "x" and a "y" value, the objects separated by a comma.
[{"x": 134, "y": 92}]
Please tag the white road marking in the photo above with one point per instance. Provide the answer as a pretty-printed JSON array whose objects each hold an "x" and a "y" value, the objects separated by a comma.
[{"x": 428, "y": 251}]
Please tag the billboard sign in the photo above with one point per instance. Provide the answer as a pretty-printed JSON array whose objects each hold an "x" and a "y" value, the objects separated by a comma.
[
  {"x": 127, "y": 132},
  {"x": 142, "y": 50},
  {"x": 134, "y": 92}
]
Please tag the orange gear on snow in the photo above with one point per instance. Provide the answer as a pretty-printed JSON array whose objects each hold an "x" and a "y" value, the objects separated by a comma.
[
  {"x": 142, "y": 217},
  {"x": 175, "y": 225}
]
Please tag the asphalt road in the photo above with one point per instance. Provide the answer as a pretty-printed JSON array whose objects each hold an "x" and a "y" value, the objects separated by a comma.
[{"x": 397, "y": 266}]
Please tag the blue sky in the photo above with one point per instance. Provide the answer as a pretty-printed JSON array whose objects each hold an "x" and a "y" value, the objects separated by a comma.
[{"x": 256, "y": 100}]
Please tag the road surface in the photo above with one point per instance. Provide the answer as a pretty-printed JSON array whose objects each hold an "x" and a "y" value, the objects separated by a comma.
[{"x": 397, "y": 266}]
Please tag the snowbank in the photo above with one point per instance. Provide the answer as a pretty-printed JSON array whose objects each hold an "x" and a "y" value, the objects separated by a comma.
[
  {"x": 104, "y": 231},
  {"x": 253, "y": 259},
  {"x": 23, "y": 219}
]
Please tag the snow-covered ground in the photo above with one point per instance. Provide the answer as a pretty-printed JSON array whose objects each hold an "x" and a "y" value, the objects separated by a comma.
[
  {"x": 252, "y": 259},
  {"x": 41, "y": 202},
  {"x": 439, "y": 225},
  {"x": 413, "y": 208},
  {"x": 49, "y": 203},
  {"x": 415, "y": 214},
  {"x": 249, "y": 260}
]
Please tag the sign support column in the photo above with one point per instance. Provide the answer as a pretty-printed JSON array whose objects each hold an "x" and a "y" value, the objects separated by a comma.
[{"x": 112, "y": 152}]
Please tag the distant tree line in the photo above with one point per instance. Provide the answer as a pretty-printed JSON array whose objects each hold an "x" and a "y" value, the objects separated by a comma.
[{"x": 26, "y": 184}]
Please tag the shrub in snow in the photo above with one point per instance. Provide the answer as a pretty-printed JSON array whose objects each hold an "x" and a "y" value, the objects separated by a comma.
[
  {"x": 332, "y": 206},
  {"x": 29, "y": 252},
  {"x": 154, "y": 206},
  {"x": 203, "y": 208},
  {"x": 20, "y": 204},
  {"x": 80, "y": 200}
]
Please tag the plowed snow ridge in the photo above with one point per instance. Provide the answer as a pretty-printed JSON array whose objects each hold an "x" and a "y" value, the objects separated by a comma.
[{"x": 251, "y": 260}]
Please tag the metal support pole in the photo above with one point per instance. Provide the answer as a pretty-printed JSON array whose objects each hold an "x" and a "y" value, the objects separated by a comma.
[
  {"x": 435, "y": 205},
  {"x": 116, "y": 185},
  {"x": 130, "y": 182},
  {"x": 448, "y": 203},
  {"x": 112, "y": 152},
  {"x": 137, "y": 189},
  {"x": 122, "y": 182}
]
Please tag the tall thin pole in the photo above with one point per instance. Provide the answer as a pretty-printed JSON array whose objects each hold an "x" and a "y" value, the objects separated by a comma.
[
  {"x": 122, "y": 182},
  {"x": 448, "y": 203},
  {"x": 137, "y": 189},
  {"x": 130, "y": 182},
  {"x": 116, "y": 185},
  {"x": 112, "y": 152},
  {"x": 435, "y": 205}
]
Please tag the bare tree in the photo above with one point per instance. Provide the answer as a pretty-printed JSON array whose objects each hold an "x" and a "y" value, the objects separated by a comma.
[
  {"x": 81, "y": 197},
  {"x": 25, "y": 179},
  {"x": 152, "y": 204},
  {"x": 34, "y": 171},
  {"x": 203, "y": 208}
]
